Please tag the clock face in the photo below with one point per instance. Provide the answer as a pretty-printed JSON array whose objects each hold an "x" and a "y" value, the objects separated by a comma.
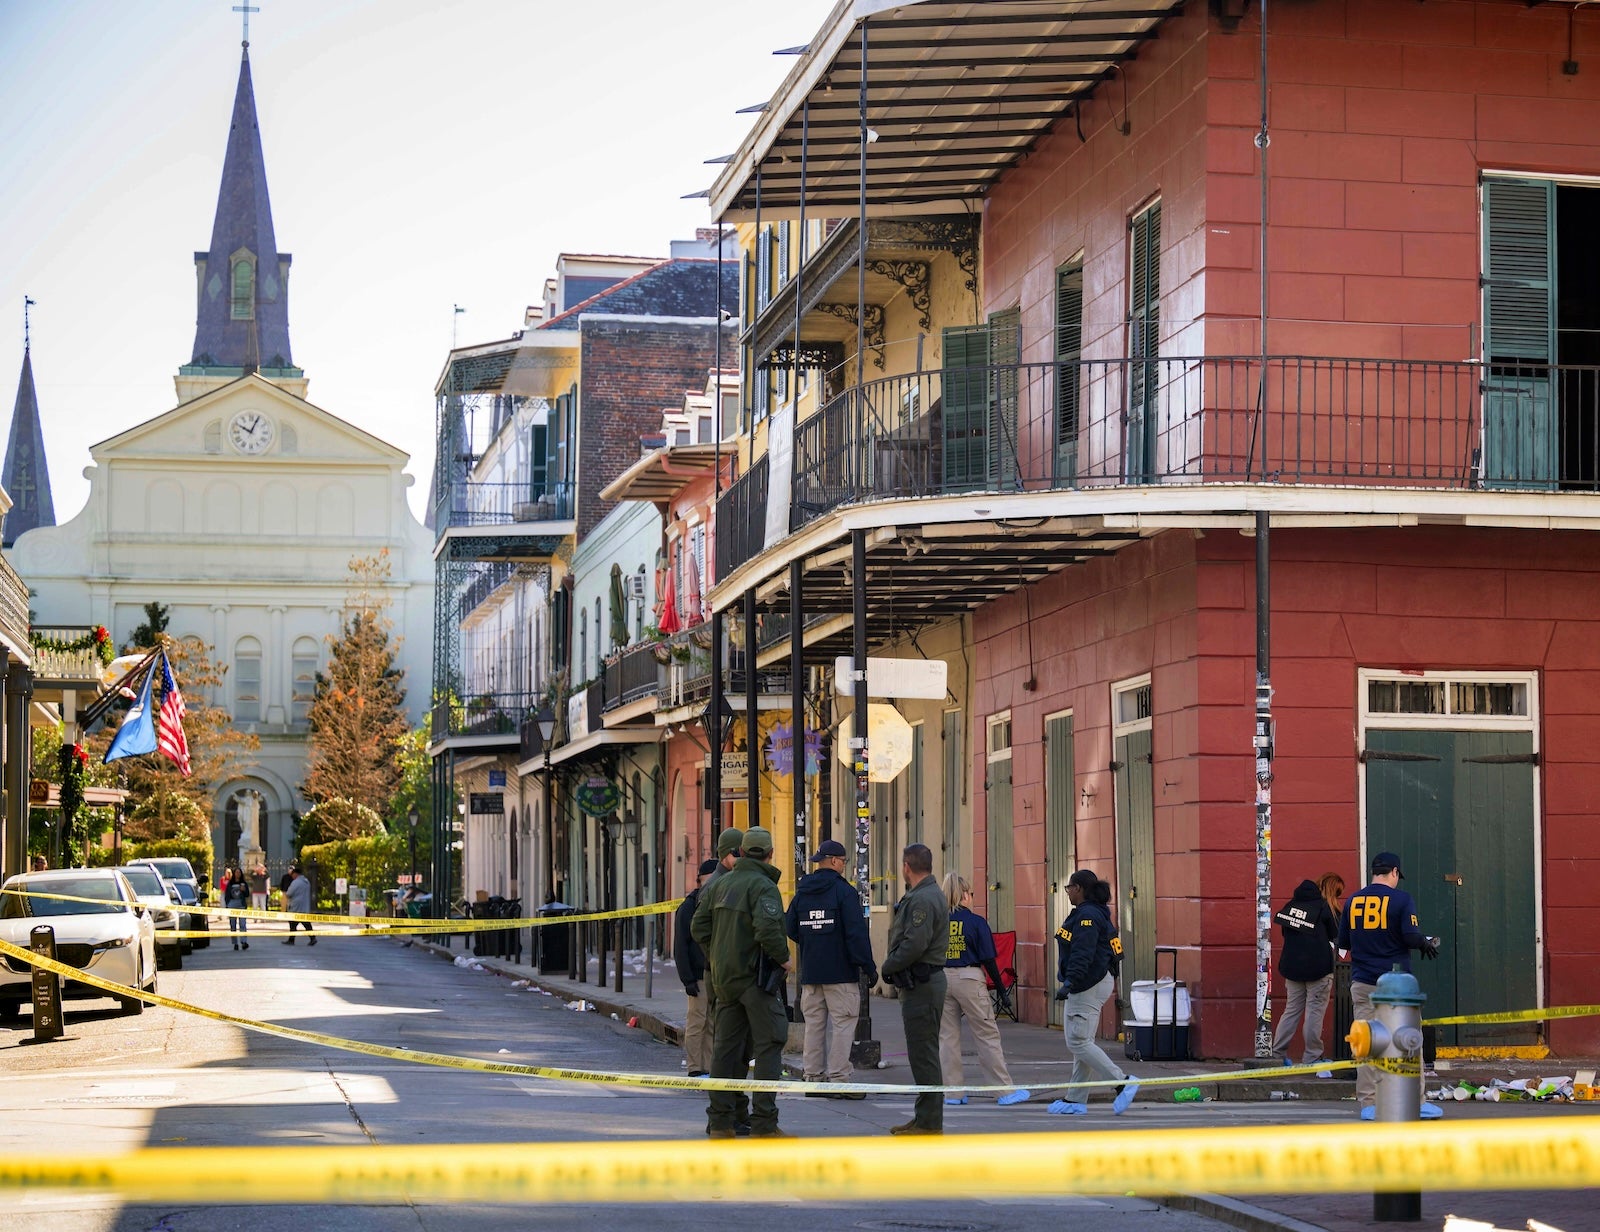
[{"x": 251, "y": 432}]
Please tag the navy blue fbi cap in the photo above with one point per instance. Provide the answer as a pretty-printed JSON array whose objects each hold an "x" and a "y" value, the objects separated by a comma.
[{"x": 1386, "y": 860}]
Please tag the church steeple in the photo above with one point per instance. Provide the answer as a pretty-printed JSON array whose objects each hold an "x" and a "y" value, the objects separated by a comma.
[
  {"x": 26, "y": 476},
  {"x": 242, "y": 280}
]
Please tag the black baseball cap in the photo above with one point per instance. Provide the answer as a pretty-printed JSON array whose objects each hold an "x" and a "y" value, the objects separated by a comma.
[
  {"x": 1384, "y": 861},
  {"x": 707, "y": 867},
  {"x": 830, "y": 847}
]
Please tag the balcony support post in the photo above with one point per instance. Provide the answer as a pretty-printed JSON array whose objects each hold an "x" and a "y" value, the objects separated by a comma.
[
  {"x": 752, "y": 728},
  {"x": 797, "y": 708},
  {"x": 866, "y": 1051},
  {"x": 713, "y": 735}
]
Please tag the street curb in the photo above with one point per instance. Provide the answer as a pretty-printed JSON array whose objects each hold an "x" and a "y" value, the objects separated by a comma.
[{"x": 1238, "y": 1214}]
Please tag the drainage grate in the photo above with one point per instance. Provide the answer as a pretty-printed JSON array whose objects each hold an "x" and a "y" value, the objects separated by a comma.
[{"x": 922, "y": 1225}]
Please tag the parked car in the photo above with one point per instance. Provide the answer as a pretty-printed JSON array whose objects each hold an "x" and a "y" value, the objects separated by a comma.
[
  {"x": 113, "y": 935},
  {"x": 192, "y": 921},
  {"x": 176, "y": 870},
  {"x": 153, "y": 893}
]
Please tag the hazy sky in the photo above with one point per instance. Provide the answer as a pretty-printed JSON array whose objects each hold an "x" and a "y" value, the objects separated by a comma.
[{"x": 420, "y": 154}]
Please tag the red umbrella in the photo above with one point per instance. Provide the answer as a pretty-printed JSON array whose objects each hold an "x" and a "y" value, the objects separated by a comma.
[
  {"x": 668, "y": 621},
  {"x": 693, "y": 608}
]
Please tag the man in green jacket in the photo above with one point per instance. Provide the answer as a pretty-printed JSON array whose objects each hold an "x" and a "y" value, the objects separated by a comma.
[
  {"x": 919, "y": 937},
  {"x": 739, "y": 925}
]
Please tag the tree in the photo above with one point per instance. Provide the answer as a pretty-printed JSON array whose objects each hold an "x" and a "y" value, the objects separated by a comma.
[
  {"x": 167, "y": 814},
  {"x": 148, "y": 635},
  {"x": 337, "y": 819},
  {"x": 357, "y": 714},
  {"x": 217, "y": 749}
]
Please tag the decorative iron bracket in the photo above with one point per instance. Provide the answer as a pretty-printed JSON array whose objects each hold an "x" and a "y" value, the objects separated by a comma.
[
  {"x": 871, "y": 326},
  {"x": 913, "y": 276}
]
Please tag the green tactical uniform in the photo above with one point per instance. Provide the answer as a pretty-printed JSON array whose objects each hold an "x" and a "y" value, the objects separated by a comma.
[
  {"x": 738, "y": 921},
  {"x": 920, "y": 934}
]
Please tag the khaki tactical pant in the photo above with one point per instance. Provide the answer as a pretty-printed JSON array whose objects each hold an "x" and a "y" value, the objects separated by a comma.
[
  {"x": 967, "y": 997},
  {"x": 1080, "y": 1020},
  {"x": 831, "y": 1011},
  {"x": 920, "y": 1010},
  {"x": 697, "y": 1031},
  {"x": 1308, "y": 999},
  {"x": 1366, "y": 1076}
]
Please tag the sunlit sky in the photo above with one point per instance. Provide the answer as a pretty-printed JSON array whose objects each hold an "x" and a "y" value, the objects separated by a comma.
[{"x": 421, "y": 154}]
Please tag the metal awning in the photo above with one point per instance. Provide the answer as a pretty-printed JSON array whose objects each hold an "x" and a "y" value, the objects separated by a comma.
[
  {"x": 956, "y": 93},
  {"x": 661, "y": 473},
  {"x": 594, "y": 740}
]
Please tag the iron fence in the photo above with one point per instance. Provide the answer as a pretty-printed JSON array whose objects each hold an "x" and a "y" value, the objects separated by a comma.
[
  {"x": 1132, "y": 422},
  {"x": 465, "y": 503},
  {"x": 636, "y": 673},
  {"x": 742, "y": 518}
]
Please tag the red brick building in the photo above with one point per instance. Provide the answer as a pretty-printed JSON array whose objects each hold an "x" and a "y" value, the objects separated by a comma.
[{"x": 1080, "y": 455}]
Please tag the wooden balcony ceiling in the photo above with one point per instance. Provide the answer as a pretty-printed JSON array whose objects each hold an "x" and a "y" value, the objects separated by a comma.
[
  {"x": 661, "y": 474},
  {"x": 918, "y": 577},
  {"x": 956, "y": 92}
]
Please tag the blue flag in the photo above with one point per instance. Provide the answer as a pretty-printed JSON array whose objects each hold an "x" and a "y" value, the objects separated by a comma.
[{"x": 138, "y": 731}]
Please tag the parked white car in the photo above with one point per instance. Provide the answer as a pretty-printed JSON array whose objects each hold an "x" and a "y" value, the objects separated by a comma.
[
  {"x": 112, "y": 935},
  {"x": 164, "y": 911},
  {"x": 174, "y": 869}
]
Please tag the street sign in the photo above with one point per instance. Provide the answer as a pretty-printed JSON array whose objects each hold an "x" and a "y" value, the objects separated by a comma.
[
  {"x": 341, "y": 885},
  {"x": 46, "y": 988},
  {"x": 889, "y": 740},
  {"x": 493, "y": 802},
  {"x": 924, "y": 678},
  {"x": 497, "y": 778},
  {"x": 735, "y": 771}
]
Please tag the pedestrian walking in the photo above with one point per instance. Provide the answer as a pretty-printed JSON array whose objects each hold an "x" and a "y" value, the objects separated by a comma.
[
  {"x": 1379, "y": 929},
  {"x": 236, "y": 895},
  {"x": 727, "y": 856},
  {"x": 969, "y": 953},
  {"x": 739, "y": 925},
  {"x": 1309, "y": 928},
  {"x": 1089, "y": 958},
  {"x": 826, "y": 921},
  {"x": 690, "y": 960},
  {"x": 919, "y": 935},
  {"x": 297, "y": 901}
]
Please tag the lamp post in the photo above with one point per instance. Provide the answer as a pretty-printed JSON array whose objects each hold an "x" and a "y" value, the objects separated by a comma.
[
  {"x": 546, "y": 722},
  {"x": 413, "y": 819}
]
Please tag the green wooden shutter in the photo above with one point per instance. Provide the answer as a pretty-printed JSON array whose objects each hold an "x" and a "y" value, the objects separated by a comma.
[
  {"x": 1144, "y": 344},
  {"x": 1005, "y": 349},
  {"x": 763, "y": 269},
  {"x": 966, "y": 407},
  {"x": 538, "y": 461},
  {"x": 1060, "y": 814},
  {"x": 1519, "y": 333},
  {"x": 783, "y": 253},
  {"x": 1069, "y": 351}
]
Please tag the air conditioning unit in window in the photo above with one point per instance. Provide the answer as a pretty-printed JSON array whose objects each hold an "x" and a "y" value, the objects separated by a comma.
[{"x": 636, "y": 586}]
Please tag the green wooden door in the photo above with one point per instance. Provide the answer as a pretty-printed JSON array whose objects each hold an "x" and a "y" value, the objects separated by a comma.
[
  {"x": 1002, "y": 898},
  {"x": 1458, "y": 809},
  {"x": 965, "y": 408},
  {"x": 952, "y": 779},
  {"x": 1136, "y": 856},
  {"x": 1061, "y": 845},
  {"x": 913, "y": 792},
  {"x": 1069, "y": 353},
  {"x": 1519, "y": 334},
  {"x": 1144, "y": 345}
]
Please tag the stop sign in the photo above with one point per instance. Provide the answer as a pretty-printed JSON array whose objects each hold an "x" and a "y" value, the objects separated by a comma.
[{"x": 888, "y": 742}]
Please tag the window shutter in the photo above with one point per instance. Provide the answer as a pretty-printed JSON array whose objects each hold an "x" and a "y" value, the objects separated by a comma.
[
  {"x": 763, "y": 269},
  {"x": 966, "y": 406},
  {"x": 1144, "y": 343},
  {"x": 1069, "y": 351},
  {"x": 1520, "y": 417},
  {"x": 783, "y": 253},
  {"x": 1005, "y": 346}
]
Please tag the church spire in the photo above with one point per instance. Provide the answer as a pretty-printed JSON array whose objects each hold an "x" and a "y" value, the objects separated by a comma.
[
  {"x": 26, "y": 476},
  {"x": 242, "y": 319}
]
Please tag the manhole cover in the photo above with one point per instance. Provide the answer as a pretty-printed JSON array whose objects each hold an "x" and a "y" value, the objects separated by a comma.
[{"x": 922, "y": 1225}]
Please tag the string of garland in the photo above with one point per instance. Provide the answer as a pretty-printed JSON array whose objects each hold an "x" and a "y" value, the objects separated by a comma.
[
  {"x": 97, "y": 639},
  {"x": 74, "y": 762}
]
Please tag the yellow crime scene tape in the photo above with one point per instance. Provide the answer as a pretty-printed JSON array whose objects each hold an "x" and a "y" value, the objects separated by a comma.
[
  {"x": 669, "y": 1082},
  {"x": 370, "y": 925},
  {"x": 1519, "y": 1154},
  {"x": 1550, "y": 1011}
]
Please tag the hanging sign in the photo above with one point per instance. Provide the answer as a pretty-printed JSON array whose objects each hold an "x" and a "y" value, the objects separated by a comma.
[
  {"x": 598, "y": 797},
  {"x": 735, "y": 771},
  {"x": 492, "y": 802},
  {"x": 780, "y": 750},
  {"x": 924, "y": 678}
]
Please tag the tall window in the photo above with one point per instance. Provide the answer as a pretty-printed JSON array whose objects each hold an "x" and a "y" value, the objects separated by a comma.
[
  {"x": 1069, "y": 351},
  {"x": 247, "y": 681},
  {"x": 244, "y": 289},
  {"x": 305, "y": 662},
  {"x": 1144, "y": 342}
]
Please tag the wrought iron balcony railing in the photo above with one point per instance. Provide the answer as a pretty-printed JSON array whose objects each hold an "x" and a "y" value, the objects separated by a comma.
[
  {"x": 468, "y": 504},
  {"x": 1132, "y": 422},
  {"x": 635, "y": 674},
  {"x": 13, "y": 605},
  {"x": 482, "y": 714}
]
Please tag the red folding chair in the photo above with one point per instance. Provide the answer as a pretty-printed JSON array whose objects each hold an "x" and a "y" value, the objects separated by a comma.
[{"x": 1005, "y": 957}]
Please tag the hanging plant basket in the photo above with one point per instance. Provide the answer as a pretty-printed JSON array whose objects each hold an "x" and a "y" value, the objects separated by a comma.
[
  {"x": 680, "y": 652},
  {"x": 701, "y": 637},
  {"x": 662, "y": 652}
]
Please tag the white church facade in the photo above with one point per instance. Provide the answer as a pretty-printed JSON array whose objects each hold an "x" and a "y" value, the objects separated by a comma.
[{"x": 240, "y": 509}]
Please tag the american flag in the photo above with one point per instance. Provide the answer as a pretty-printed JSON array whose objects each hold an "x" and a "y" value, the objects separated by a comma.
[{"x": 170, "y": 739}]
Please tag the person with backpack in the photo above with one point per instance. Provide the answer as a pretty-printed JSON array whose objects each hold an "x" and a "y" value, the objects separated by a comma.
[
  {"x": 1306, "y": 964},
  {"x": 1089, "y": 958}
]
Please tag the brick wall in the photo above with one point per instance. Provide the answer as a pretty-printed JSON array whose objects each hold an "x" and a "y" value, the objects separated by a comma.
[{"x": 630, "y": 372}]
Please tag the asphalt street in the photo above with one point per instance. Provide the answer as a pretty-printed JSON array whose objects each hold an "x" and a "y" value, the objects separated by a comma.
[{"x": 167, "y": 1079}]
